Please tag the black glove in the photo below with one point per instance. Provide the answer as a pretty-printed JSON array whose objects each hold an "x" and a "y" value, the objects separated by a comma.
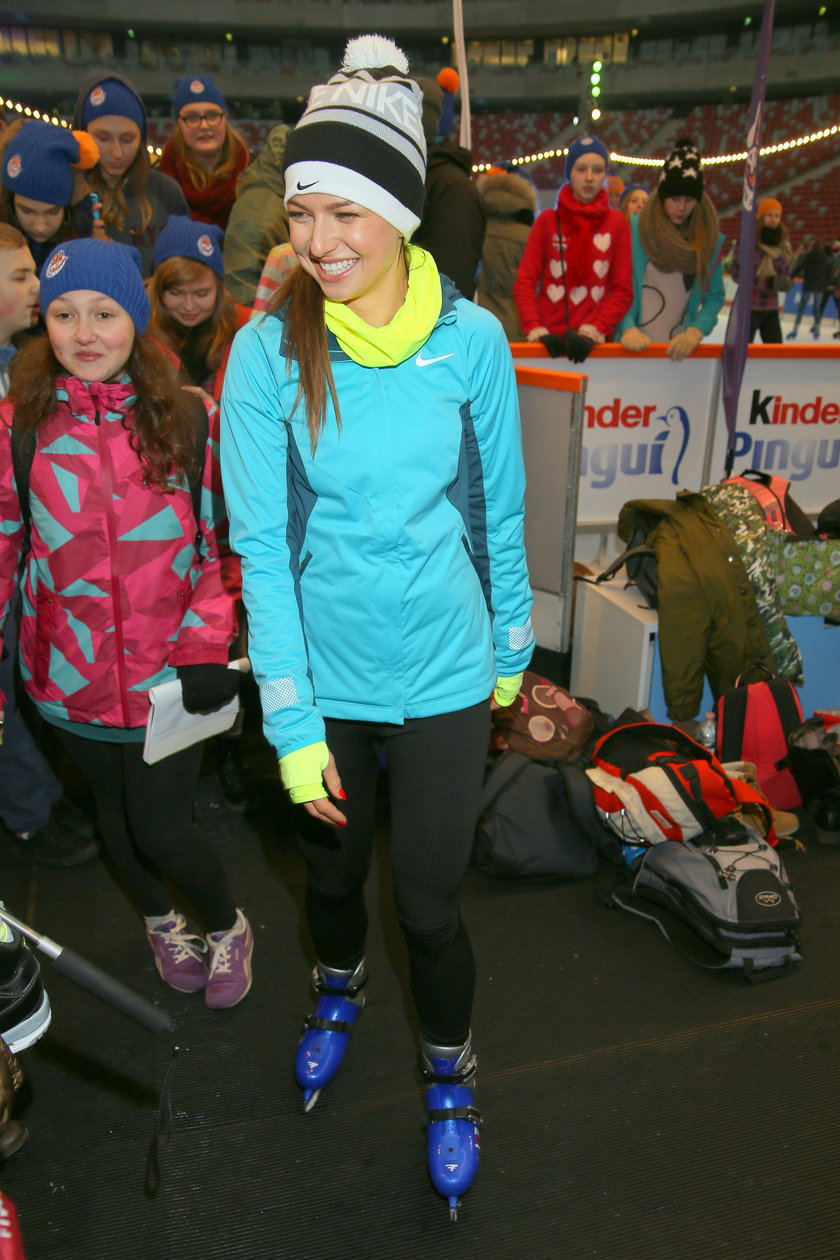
[
  {"x": 207, "y": 687},
  {"x": 573, "y": 345}
]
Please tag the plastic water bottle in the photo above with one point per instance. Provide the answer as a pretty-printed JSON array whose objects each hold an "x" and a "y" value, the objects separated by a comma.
[{"x": 706, "y": 732}]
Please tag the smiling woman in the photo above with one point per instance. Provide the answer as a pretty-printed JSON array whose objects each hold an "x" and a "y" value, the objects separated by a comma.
[{"x": 374, "y": 478}]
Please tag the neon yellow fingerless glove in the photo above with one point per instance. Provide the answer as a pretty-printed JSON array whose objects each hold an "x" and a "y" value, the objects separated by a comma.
[
  {"x": 300, "y": 772},
  {"x": 506, "y": 690}
]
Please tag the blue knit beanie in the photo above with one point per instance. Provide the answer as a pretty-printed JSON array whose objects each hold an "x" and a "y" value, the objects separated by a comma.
[
  {"x": 184, "y": 238},
  {"x": 103, "y": 266},
  {"x": 111, "y": 96},
  {"x": 580, "y": 148},
  {"x": 197, "y": 89},
  {"x": 39, "y": 163}
]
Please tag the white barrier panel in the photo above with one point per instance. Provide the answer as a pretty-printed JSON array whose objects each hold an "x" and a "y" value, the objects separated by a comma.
[
  {"x": 551, "y": 406},
  {"x": 654, "y": 427}
]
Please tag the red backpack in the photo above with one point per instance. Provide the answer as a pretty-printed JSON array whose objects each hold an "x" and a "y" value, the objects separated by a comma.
[
  {"x": 753, "y": 722},
  {"x": 652, "y": 783}
]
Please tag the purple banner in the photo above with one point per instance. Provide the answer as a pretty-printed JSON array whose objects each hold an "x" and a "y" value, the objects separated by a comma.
[{"x": 737, "y": 337}]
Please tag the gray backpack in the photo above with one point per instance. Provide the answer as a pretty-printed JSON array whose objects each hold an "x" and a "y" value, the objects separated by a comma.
[{"x": 721, "y": 905}]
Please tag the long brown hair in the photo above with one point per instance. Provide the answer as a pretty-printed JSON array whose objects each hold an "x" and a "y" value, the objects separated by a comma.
[
  {"x": 305, "y": 340},
  {"x": 216, "y": 332},
  {"x": 233, "y": 147},
  {"x": 164, "y": 414},
  {"x": 114, "y": 204}
]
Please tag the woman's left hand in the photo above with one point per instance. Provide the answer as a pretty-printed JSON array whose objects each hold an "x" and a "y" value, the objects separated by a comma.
[
  {"x": 684, "y": 344},
  {"x": 99, "y": 232},
  {"x": 323, "y": 808}
]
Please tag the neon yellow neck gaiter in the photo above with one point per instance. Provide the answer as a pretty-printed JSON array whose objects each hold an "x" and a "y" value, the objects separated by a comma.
[{"x": 407, "y": 331}]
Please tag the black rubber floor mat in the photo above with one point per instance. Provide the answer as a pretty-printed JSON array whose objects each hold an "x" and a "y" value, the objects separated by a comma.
[{"x": 636, "y": 1107}]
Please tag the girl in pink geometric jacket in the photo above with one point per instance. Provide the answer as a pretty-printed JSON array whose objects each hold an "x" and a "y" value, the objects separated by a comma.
[{"x": 121, "y": 591}]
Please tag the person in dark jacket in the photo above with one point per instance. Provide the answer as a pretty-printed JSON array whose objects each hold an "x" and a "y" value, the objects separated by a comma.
[
  {"x": 136, "y": 200},
  {"x": 511, "y": 201},
  {"x": 258, "y": 221},
  {"x": 454, "y": 218},
  {"x": 813, "y": 267}
]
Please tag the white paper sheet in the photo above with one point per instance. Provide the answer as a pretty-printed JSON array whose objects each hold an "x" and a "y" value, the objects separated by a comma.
[{"x": 170, "y": 728}]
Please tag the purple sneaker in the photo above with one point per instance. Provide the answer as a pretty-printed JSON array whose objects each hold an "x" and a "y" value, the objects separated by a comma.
[
  {"x": 230, "y": 964},
  {"x": 179, "y": 956}
]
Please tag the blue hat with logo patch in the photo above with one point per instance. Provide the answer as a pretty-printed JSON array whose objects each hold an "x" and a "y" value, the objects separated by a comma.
[
  {"x": 184, "y": 238},
  {"x": 113, "y": 97},
  {"x": 103, "y": 266},
  {"x": 197, "y": 89}
]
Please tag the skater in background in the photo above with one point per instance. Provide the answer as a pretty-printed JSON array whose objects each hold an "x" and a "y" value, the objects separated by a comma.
[
  {"x": 677, "y": 261},
  {"x": 44, "y": 192},
  {"x": 371, "y": 444},
  {"x": 205, "y": 155},
  {"x": 136, "y": 200},
  {"x": 574, "y": 281},
  {"x": 772, "y": 260},
  {"x": 118, "y": 593},
  {"x": 813, "y": 265}
]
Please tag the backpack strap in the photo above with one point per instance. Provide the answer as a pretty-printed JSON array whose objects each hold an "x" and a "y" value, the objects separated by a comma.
[{"x": 23, "y": 453}]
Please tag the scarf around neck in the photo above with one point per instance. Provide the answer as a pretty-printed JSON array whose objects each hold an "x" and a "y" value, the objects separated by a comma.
[
  {"x": 663, "y": 242},
  {"x": 207, "y": 205},
  {"x": 578, "y": 222},
  {"x": 406, "y": 333}
]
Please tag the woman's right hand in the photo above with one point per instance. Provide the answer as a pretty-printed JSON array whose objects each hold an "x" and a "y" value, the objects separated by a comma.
[
  {"x": 536, "y": 333},
  {"x": 634, "y": 339},
  {"x": 323, "y": 808},
  {"x": 305, "y": 774}
]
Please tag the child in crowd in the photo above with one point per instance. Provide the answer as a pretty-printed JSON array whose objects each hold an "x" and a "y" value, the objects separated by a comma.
[
  {"x": 632, "y": 200},
  {"x": 136, "y": 200},
  {"x": 574, "y": 281},
  {"x": 44, "y": 193},
  {"x": 119, "y": 594},
  {"x": 771, "y": 270},
  {"x": 677, "y": 261},
  {"x": 205, "y": 154},
  {"x": 194, "y": 316},
  {"x": 191, "y": 310}
]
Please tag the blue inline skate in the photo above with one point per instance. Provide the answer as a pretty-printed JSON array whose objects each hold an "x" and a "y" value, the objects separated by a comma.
[
  {"x": 453, "y": 1144},
  {"x": 327, "y": 1030}
]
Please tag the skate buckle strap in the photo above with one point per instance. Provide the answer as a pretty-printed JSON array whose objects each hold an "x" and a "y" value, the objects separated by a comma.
[
  {"x": 439, "y": 1114},
  {"x": 466, "y": 1074},
  {"x": 328, "y": 1025},
  {"x": 327, "y": 990}
]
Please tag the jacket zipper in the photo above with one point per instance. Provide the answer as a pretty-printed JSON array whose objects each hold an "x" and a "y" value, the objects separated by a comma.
[{"x": 119, "y": 639}]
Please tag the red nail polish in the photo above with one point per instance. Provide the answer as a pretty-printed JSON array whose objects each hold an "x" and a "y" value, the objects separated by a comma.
[{"x": 342, "y": 794}]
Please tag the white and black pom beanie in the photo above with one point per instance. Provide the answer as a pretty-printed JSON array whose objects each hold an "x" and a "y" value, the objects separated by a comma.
[
  {"x": 361, "y": 136},
  {"x": 682, "y": 175}
]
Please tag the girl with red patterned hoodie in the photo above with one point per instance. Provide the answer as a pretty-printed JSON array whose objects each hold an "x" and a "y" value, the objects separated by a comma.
[
  {"x": 575, "y": 279},
  {"x": 118, "y": 593}
]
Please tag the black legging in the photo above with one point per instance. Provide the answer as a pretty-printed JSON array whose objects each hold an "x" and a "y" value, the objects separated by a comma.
[
  {"x": 145, "y": 817},
  {"x": 435, "y": 772}
]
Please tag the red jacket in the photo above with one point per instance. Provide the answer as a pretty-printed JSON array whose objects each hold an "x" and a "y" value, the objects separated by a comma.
[
  {"x": 596, "y": 253},
  {"x": 115, "y": 594}
]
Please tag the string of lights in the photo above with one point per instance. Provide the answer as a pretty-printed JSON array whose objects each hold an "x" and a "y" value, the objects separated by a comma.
[{"x": 626, "y": 159}]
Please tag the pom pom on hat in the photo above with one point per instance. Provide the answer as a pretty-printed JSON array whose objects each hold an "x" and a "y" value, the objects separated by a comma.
[
  {"x": 448, "y": 79},
  {"x": 361, "y": 136},
  {"x": 681, "y": 174},
  {"x": 197, "y": 89},
  {"x": 39, "y": 162},
  {"x": 183, "y": 237},
  {"x": 767, "y": 205},
  {"x": 103, "y": 266},
  {"x": 88, "y": 151}
]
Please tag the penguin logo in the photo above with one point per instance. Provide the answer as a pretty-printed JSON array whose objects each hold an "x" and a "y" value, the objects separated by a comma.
[
  {"x": 676, "y": 420},
  {"x": 55, "y": 264},
  {"x": 205, "y": 246},
  {"x": 97, "y": 97},
  {"x": 768, "y": 899},
  {"x": 196, "y": 86},
  {"x": 14, "y": 166}
]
